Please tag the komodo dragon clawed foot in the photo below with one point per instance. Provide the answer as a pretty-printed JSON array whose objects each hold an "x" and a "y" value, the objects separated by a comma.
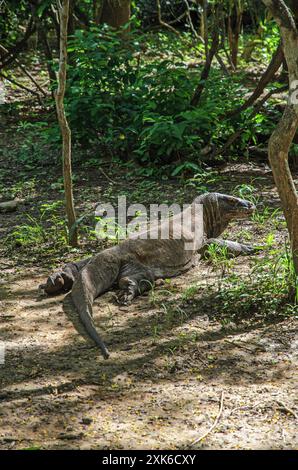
[
  {"x": 230, "y": 248},
  {"x": 128, "y": 291},
  {"x": 133, "y": 280}
]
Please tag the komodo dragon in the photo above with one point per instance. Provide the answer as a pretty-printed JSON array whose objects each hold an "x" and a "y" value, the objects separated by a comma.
[{"x": 136, "y": 263}]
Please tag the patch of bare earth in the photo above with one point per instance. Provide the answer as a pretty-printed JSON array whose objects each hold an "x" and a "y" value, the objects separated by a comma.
[{"x": 167, "y": 373}]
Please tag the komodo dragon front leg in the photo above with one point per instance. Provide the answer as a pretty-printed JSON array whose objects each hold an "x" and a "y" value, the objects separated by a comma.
[
  {"x": 134, "y": 279},
  {"x": 231, "y": 248}
]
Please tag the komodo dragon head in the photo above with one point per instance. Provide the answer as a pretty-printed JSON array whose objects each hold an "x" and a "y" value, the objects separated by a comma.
[{"x": 220, "y": 209}]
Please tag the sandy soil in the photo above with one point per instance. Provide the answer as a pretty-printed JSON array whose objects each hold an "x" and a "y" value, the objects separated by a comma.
[{"x": 169, "y": 369}]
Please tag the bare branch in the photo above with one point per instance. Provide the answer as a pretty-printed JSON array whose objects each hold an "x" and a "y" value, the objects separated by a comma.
[
  {"x": 199, "y": 439},
  {"x": 163, "y": 23}
]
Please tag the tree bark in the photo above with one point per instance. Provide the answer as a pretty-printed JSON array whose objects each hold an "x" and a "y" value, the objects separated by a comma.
[
  {"x": 115, "y": 13},
  {"x": 206, "y": 69},
  {"x": 234, "y": 30},
  {"x": 284, "y": 133},
  {"x": 65, "y": 130},
  {"x": 266, "y": 78}
]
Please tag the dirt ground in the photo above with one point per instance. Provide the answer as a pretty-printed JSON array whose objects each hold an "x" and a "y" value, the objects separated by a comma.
[{"x": 167, "y": 374}]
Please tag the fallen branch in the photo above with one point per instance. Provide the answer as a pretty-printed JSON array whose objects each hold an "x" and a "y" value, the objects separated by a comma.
[
  {"x": 199, "y": 439},
  {"x": 285, "y": 407},
  {"x": 28, "y": 74},
  {"x": 106, "y": 176},
  {"x": 237, "y": 345},
  {"x": 19, "y": 85}
]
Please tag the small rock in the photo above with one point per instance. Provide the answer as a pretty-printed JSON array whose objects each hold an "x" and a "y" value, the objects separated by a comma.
[
  {"x": 9, "y": 206},
  {"x": 87, "y": 421}
]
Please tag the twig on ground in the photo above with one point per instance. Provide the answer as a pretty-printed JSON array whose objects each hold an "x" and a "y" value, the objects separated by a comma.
[
  {"x": 239, "y": 345},
  {"x": 23, "y": 87},
  {"x": 199, "y": 439},
  {"x": 266, "y": 404},
  {"x": 28, "y": 74},
  {"x": 285, "y": 407},
  {"x": 106, "y": 176}
]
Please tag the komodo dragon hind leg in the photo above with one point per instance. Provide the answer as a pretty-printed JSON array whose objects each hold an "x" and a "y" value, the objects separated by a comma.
[
  {"x": 232, "y": 248},
  {"x": 133, "y": 280}
]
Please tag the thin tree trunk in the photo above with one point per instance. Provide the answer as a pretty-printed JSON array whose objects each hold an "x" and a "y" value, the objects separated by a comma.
[
  {"x": 266, "y": 78},
  {"x": 65, "y": 130},
  {"x": 234, "y": 30},
  {"x": 48, "y": 55},
  {"x": 284, "y": 133},
  {"x": 206, "y": 69},
  {"x": 115, "y": 13}
]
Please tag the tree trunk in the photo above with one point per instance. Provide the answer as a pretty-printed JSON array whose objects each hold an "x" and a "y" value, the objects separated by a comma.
[
  {"x": 65, "y": 130},
  {"x": 266, "y": 78},
  {"x": 206, "y": 69},
  {"x": 283, "y": 135},
  {"x": 97, "y": 10},
  {"x": 234, "y": 30},
  {"x": 115, "y": 13},
  {"x": 48, "y": 55},
  {"x": 293, "y": 4}
]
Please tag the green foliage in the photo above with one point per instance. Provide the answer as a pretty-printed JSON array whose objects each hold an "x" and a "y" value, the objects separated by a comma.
[
  {"x": 129, "y": 99},
  {"x": 268, "y": 291},
  {"x": 270, "y": 39},
  {"x": 46, "y": 228},
  {"x": 219, "y": 257},
  {"x": 126, "y": 98}
]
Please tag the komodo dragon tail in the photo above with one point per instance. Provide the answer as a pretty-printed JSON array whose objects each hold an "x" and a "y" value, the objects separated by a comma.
[{"x": 94, "y": 279}]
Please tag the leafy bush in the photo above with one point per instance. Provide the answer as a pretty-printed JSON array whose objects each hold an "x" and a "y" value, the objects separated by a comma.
[
  {"x": 128, "y": 97},
  {"x": 123, "y": 95}
]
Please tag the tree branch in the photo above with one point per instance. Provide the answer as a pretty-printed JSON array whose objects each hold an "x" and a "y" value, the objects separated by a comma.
[{"x": 163, "y": 23}]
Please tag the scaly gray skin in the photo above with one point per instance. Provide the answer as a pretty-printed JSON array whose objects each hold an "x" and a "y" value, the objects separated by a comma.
[
  {"x": 136, "y": 263},
  {"x": 63, "y": 280}
]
